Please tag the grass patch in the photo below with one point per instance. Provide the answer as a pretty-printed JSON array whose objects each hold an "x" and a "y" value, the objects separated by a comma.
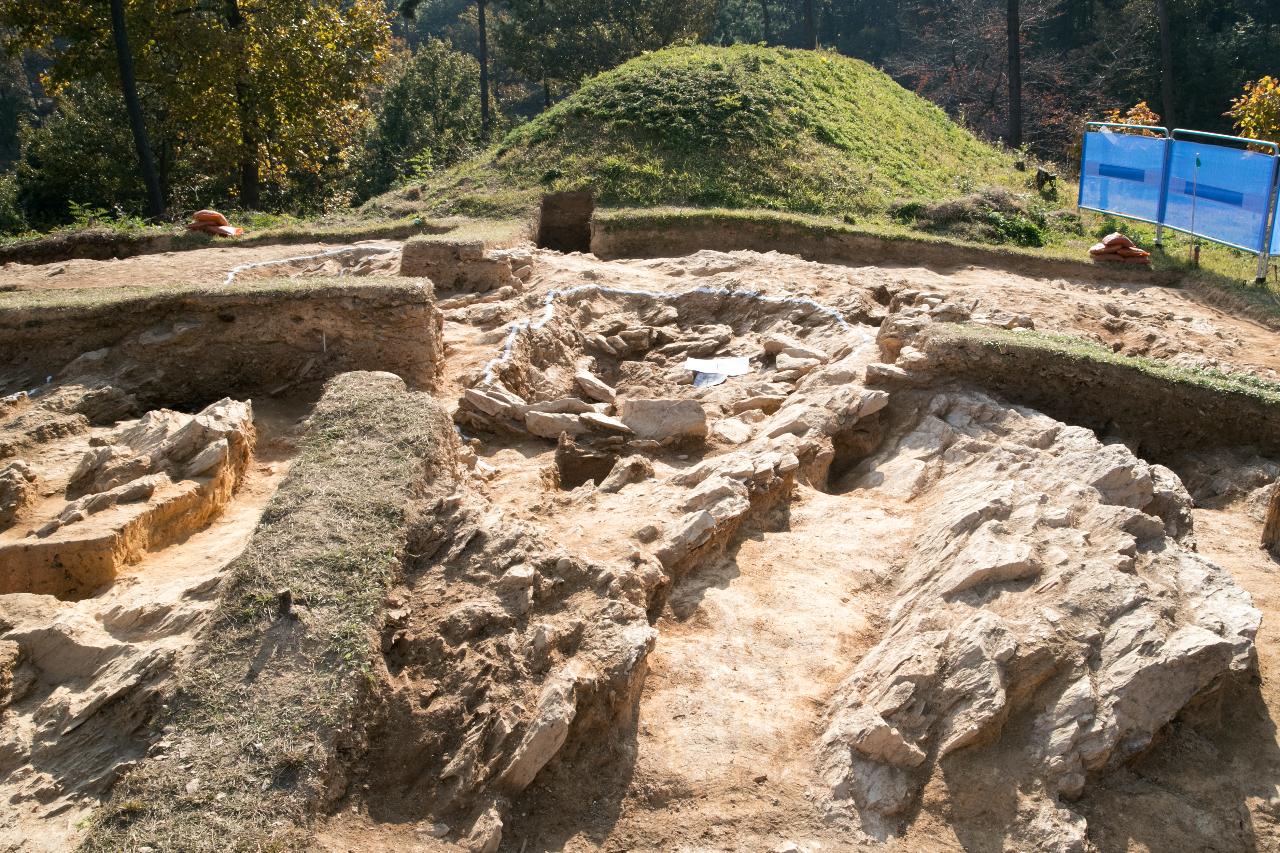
[
  {"x": 744, "y": 126},
  {"x": 45, "y": 248},
  {"x": 1070, "y": 348},
  {"x": 75, "y": 299},
  {"x": 493, "y": 233},
  {"x": 266, "y": 701}
]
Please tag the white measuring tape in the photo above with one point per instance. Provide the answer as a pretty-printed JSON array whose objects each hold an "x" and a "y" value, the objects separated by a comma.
[{"x": 345, "y": 250}]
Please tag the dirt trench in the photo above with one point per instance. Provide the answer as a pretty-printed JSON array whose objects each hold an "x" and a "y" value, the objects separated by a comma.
[{"x": 746, "y": 696}]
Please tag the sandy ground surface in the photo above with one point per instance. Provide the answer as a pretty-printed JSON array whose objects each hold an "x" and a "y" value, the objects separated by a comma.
[{"x": 198, "y": 266}]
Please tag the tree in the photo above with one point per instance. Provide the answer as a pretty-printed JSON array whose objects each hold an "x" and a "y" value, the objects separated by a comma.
[
  {"x": 129, "y": 87},
  {"x": 1257, "y": 110},
  {"x": 568, "y": 40},
  {"x": 810, "y": 26},
  {"x": 1166, "y": 60},
  {"x": 1015, "y": 74},
  {"x": 427, "y": 118},
  {"x": 409, "y": 8},
  {"x": 482, "y": 30},
  {"x": 262, "y": 95}
]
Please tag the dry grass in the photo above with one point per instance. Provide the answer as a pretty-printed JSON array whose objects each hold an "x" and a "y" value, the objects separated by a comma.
[
  {"x": 1073, "y": 349},
  {"x": 266, "y": 703},
  {"x": 71, "y": 299}
]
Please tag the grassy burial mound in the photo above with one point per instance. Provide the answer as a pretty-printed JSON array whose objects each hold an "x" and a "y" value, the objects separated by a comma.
[{"x": 748, "y": 127}]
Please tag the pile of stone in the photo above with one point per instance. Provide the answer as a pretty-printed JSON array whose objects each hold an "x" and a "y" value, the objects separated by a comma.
[{"x": 645, "y": 423}]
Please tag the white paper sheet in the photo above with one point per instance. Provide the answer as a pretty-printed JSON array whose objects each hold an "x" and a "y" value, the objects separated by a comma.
[{"x": 729, "y": 366}]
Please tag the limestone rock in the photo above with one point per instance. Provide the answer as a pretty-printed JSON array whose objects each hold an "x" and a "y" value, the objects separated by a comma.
[
  {"x": 664, "y": 420},
  {"x": 775, "y": 344},
  {"x": 800, "y": 366},
  {"x": 494, "y": 401},
  {"x": 545, "y": 734},
  {"x": 486, "y": 833},
  {"x": 711, "y": 491},
  {"x": 604, "y": 423},
  {"x": 547, "y": 425},
  {"x": 593, "y": 387},
  {"x": 766, "y": 403},
  {"x": 633, "y": 469},
  {"x": 17, "y": 490},
  {"x": 562, "y": 406},
  {"x": 690, "y": 532},
  {"x": 731, "y": 431}
]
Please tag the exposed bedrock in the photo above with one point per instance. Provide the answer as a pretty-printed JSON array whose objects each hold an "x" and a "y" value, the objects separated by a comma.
[
  {"x": 499, "y": 646},
  {"x": 144, "y": 486},
  {"x": 1050, "y": 617}
]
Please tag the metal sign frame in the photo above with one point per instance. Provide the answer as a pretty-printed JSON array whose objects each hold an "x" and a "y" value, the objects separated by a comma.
[{"x": 1263, "y": 250}]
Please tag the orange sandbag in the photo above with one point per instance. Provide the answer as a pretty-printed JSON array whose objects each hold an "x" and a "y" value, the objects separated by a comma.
[
  {"x": 1116, "y": 239},
  {"x": 215, "y": 230},
  {"x": 211, "y": 216},
  {"x": 1099, "y": 249},
  {"x": 1132, "y": 252}
]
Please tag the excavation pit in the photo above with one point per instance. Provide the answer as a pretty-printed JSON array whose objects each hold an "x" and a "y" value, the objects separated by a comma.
[
  {"x": 623, "y": 580},
  {"x": 564, "y": 221}
]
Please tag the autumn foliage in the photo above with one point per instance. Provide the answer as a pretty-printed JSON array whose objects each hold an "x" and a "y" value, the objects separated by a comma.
[{"x": 1257, "y": 110}]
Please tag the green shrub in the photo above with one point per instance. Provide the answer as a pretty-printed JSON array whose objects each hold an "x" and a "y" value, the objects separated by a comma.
[
  {"x": 428, "y": 118},
  {"x": 11, "y": 219}
]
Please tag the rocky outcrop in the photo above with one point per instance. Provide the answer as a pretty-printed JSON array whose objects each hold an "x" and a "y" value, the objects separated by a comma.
[
  {"x": 1061, "y": 597},
  {"x": 17, "y": 490},
  {"x": 529, "y": 649},
  {"x": 144, "y": 486}
]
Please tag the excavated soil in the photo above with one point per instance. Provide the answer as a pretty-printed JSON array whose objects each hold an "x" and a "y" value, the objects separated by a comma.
[
  {"x": 755, "y": 637},
  {"x": 785, "y": 610},
  {"x": 195, "y": 267},
  {"x": 89, "y": 671}
]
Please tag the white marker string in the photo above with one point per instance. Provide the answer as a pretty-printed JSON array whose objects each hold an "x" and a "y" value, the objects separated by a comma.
[{"x": 345, "y": 250}]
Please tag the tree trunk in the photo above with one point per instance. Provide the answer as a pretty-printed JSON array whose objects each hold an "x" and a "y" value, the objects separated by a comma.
[
  {"x": 810, "y": 26},
  {"x": 1271, "y": 528},
  {"x": 768, "y": 22},
  {"x": 1166, "y": 62},
  {"x": 129, "y": 86},
  {"x": 250, "y": 183},
  {"x": 484, "y": 69},
  {"x": 542, "y": 32},
  {"x": 1015, "y": 74}
]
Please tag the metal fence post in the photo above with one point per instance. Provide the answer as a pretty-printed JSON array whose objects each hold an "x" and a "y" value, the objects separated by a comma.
[
  {"x": 1164, "y": 186},
  {"x": 1084, "y": 158},
  {"x": 1268, "y": 221}
]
